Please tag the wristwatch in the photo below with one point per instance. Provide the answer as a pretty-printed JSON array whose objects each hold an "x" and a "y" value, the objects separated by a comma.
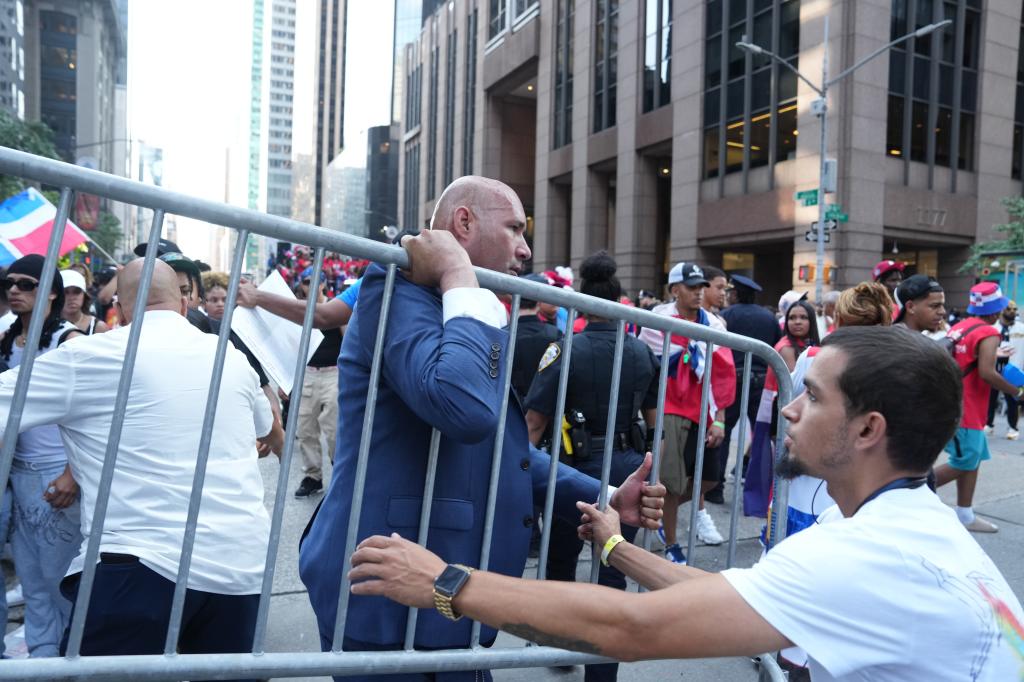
[{"x": 447, "y": 585}]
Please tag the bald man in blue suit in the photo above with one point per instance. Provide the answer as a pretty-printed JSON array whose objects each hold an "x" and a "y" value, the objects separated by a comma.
[{"x": 444, "y": 354}]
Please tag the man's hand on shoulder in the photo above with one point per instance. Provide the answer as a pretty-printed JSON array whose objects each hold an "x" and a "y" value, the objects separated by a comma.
[
  {"x": 436, "y": 259},
  {"x": 637, "y": 502}
]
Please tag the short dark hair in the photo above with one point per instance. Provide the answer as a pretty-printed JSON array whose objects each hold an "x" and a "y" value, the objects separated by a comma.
[
  {"x": 910, "y": 380},
  {"x": 710, "y": 272}
]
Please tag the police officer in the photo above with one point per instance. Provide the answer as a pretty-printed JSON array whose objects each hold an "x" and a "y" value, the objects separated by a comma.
[
  {"x": 746, "y": 318},
  {"x": 533, "y": 336},
  {"x": 586, "y": 409}
]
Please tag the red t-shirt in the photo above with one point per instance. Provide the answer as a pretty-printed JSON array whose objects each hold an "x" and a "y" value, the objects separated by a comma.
[{"x": 976, "y": 390}]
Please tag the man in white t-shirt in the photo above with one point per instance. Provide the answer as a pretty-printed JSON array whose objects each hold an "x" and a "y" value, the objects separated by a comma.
[
  {"x": 74, "y": 387},
  {"x": 889, "y": 586}
]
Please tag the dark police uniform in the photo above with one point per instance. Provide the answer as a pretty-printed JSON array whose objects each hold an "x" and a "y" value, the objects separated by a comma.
[
  {"x": 755, "y": 322},
  {"x": 533, "y": 336},
  {"x": 590, "y": 378}
]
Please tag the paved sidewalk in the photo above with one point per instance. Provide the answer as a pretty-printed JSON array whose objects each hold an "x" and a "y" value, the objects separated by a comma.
[{"x": 999, "y": 497}]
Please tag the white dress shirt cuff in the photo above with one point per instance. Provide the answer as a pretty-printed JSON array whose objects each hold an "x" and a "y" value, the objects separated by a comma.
[{"x": 480, "y": 304}]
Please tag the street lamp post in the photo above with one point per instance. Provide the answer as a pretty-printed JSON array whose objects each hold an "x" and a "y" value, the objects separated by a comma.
[{"x": 820, "y": 109}]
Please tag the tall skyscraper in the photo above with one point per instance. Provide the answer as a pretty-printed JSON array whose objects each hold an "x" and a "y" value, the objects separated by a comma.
[
  {"x": 279, "y": 128},
  {"x": 381, "y": 179},
  {"x": 408, "y": 21},
  {"x": 73, "y": 51},
  {"x": 330, "y": 93},
  {"x": 12, "y": 57}
]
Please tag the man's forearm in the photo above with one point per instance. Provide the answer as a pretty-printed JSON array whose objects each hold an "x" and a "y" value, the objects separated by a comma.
[
  {"x": 586, "y": 618},
  {"x": 325, "y": 315},
  {"x": 647, "y": 569}
]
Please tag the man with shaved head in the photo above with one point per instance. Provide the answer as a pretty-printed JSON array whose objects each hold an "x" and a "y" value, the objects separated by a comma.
[
  {"x": 75, "y": 387},
  {"x": 445, "y": 348}
]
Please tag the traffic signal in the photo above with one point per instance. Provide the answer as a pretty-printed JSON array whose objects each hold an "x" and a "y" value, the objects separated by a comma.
[{"x": 805, "y": 273}]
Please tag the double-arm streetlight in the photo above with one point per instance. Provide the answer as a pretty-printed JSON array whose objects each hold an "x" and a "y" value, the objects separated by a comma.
[{"x": 820, "y": 109}]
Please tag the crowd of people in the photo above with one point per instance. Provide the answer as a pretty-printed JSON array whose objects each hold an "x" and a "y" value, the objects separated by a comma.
[{"x": 862, "y": 460}]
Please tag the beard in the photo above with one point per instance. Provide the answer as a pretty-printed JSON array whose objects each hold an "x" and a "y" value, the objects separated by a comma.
[{"x": 789, "y": 468}]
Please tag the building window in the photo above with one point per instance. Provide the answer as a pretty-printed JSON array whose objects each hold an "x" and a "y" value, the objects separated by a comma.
[
  {"x": 413, "y": 88},
  {"x": 658, "y": 54},
  {"x": 606, "y": 49},
  {"x": 746, "y": 127},
  {"x": 411, "y": 196},
  {"x": 563, "y": 72},
  {"x": 432, "y": 126},
  {"x": 521, "y": 7},
  {"x": 449, "y": 107},
  {"x": 498, "y": 18},
  {"x": 933, "y": 83},
  {"x": 469, "y": 104}
]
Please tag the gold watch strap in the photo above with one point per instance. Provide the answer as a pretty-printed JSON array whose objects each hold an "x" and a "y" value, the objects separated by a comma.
[{"x": 443, "y": 603}]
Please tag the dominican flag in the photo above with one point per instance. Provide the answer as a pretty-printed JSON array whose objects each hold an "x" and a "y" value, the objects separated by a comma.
[{"x": 26, "y": 223}]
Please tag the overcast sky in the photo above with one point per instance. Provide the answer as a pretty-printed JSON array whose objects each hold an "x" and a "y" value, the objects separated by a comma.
[{"x": 189, "y": 84}]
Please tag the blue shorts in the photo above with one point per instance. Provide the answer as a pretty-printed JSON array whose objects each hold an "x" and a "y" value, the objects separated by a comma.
[{"x": 968, "y": 449}]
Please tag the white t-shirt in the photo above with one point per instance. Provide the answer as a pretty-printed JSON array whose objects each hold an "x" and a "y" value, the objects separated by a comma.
[
  {"x": 893, "y": 593},
  {"x": 75, "y": 387}
]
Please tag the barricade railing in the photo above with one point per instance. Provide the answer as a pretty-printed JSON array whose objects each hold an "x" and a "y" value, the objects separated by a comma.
[{"x": 259, "y": 663}]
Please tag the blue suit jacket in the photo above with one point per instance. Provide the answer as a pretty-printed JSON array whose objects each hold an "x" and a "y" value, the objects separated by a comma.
[{"x": 433, "y": 375}]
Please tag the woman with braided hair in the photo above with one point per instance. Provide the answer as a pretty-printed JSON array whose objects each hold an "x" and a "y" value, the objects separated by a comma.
[{"x": 45, "y": 515}]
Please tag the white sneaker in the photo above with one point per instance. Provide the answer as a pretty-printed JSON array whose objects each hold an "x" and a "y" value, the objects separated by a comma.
[
  {"x": 988, "y": 430},
  {"x": 706, "y": 531},
  {"x": 15, "y": 597},
  {"x": 1012, "y": 434}
]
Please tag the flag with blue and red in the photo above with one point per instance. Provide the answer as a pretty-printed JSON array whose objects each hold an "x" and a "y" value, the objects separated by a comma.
[{"x": 26, "y": 223}]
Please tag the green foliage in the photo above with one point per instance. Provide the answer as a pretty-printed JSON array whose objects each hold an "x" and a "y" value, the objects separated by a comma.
[
  {"x": 1013, "y": 240},
  {"x": 34, "y": 138},
  {"x": 107, "y": 233}
]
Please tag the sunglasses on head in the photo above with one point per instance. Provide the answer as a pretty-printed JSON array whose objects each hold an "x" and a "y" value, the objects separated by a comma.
[{"x": 21, "y": 284}]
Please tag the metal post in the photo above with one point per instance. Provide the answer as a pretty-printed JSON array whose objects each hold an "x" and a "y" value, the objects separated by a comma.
[
  {"x": 286, "y": 456},
  {"x": 424, "y": 529},
  {"x": 556, "y": 445},
  {"x": 609, "y": 438},
  {"x": 659, "y": 429},
  {"x": 33, "y": 333},
  {"x": 203, "y": 456},
  {"x": 499, "y": 443},
  {"x": 92, "y": 551},
  {"x": 737, "y": 485},
  {"x": 819, "y": 270},
  {"x": 702, "y": 435}
]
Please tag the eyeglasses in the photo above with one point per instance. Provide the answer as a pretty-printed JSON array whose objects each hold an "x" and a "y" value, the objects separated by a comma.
[{"x": 25, "y": 285}]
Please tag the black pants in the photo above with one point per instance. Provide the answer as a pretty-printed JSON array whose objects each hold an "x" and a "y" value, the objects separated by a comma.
[
  {"x": 1011, "y": 408},
  {"x": 732, "y": 413},
  {"x": 131, "y": 605},
  {"x": 564, "y": 551}
]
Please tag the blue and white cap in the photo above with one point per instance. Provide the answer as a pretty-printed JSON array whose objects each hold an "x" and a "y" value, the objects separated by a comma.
[{"x": 689, "y": 274}]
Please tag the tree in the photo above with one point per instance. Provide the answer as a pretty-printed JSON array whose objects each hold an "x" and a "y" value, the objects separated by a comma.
[
  {"x": 1013, "y": 241},
  {"x": 108, "y": 233},
  {"x": 34, "y": 138}
]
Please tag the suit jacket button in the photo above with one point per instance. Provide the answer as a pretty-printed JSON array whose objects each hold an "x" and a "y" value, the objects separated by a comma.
[
  {"x": 494, "y": 373},
  {"x": 524, "y": 463},
  {"x": 528, "y": 521},
  {"x": 495, "y": 346},
  {"x": 495, "y": 355}
]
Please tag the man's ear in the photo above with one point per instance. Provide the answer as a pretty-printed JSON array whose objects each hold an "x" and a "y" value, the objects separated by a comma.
[
  {"x": 183, "y": 308},
  {"x": 462, "y": 224},
  {"x": 871, "y": 429}
]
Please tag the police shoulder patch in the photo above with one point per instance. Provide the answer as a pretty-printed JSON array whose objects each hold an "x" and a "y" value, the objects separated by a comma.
[{"x": 550, "y": 355}]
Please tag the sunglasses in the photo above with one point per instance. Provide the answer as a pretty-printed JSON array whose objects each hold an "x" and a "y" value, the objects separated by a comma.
[{"x": 25, "y": 285}]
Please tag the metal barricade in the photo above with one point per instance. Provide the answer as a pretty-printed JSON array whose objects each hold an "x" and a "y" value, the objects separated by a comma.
[{"x": 259, "y": 663}]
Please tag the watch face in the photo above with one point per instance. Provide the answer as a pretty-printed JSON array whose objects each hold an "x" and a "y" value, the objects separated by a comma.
[{"x": 449, "y": 582}]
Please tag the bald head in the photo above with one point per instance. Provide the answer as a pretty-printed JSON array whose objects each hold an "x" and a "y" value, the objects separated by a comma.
[
  {"x": 477, "y": 193},
  {"x": 164, "y": 293},
  {"x": 487, "y": 219}
]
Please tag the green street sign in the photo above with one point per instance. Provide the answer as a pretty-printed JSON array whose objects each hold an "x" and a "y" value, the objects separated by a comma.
[
  {"x": 808, "y": 197},
  {"x": 835, "y": 212}
]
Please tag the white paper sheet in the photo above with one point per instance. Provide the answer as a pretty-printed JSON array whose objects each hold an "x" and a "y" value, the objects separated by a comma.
[{"x": 272, "y": 339}]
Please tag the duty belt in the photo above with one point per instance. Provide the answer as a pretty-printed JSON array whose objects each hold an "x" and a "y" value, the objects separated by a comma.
[{"x": 620, "y": 441}]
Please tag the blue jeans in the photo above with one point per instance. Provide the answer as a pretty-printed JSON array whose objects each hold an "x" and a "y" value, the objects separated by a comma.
[
  {"x": 44, "y": 542},
  {"x": 5, "y": 529}
]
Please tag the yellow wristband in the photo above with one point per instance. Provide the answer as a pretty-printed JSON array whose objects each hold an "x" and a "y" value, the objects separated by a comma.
[{"x": 613, "y": 541}]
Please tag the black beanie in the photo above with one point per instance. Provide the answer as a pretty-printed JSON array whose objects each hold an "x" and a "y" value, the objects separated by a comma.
[{"x": 32, "y": 265}]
